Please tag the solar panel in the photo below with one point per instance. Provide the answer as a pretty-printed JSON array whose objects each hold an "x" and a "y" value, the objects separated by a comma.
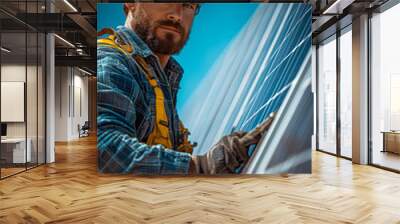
[
  {"x": 286, "y": 147},
  {"x": 254, "y": 75}
]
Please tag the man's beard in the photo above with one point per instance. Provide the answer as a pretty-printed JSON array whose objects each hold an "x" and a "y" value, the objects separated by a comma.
[{"x": 146, "y": 31}]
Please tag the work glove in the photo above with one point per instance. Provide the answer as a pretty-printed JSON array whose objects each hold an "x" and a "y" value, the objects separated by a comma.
[
  {"x": 254, "y": 136},
  {"x": 230, "y": 152}
]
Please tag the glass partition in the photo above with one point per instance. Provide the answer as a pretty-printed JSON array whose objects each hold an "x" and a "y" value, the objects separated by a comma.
[
  {"x": 14, "y": 153},
  {"x": 22, "y": 88}
]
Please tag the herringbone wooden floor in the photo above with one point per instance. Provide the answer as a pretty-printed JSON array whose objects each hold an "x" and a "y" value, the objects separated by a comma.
[{"x": 71, "y": 191}]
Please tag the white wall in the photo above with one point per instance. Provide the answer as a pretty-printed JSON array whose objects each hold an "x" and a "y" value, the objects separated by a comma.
[
  {"x": 10, "y": 73},
  {"x": 79, "y": 117},
  {"x": 70, "y": 83},
  {"x": 61, "y": 103}
]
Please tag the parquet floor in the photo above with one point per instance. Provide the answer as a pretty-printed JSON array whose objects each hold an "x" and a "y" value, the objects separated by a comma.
[
  {"x": 10, "y": 171},
  {"x": 71, "y": 191}
]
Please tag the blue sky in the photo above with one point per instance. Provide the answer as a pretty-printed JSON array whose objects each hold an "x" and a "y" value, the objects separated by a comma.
[{"x": 213, "y": 29}]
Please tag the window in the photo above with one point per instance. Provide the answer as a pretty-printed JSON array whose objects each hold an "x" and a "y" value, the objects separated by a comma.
[
  {"x": 385, "y": 89},
  {"x": 327, "y": 96},
  {"x": 346, "y": 92}
]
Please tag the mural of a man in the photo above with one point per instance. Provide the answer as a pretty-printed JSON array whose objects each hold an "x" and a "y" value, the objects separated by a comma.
[{"x": 139, "y": 130}]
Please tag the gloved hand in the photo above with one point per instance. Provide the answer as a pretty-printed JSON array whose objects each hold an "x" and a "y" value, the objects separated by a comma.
[
  {"x": 230, "y": 152},
  {"x": 223, "y": 157},
  {"x": 254, "y": 136}
]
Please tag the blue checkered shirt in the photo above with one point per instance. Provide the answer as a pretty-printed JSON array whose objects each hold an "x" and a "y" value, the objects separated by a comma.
[{"x": 126, "y": 111}]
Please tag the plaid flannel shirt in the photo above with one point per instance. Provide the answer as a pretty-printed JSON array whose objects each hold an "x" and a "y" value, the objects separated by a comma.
[{"x": 126, "y": 111}]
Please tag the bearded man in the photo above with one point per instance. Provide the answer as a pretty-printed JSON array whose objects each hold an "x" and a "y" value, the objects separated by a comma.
[{"x": 139, "y": 130}]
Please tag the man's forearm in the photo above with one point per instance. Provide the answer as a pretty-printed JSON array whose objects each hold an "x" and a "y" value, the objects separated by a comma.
[{"x": 121, "y": 153}]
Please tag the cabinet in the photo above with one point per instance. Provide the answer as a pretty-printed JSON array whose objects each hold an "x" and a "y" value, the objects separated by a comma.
[{"x": 391, "y": 141}]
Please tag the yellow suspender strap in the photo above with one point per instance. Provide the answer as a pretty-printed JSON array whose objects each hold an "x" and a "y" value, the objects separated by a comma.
[
  {"x": 160, "y": 133},
  {"x": 113, "y": 41}
]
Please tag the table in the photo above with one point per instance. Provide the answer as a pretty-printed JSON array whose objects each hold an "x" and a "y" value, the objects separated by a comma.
[
  {"x": 391, "y": 141},
  {"x": 13, "y": 150}
]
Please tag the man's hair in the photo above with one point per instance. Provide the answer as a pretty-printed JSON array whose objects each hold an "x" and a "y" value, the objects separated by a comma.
[{"x": 126, "y": 9}]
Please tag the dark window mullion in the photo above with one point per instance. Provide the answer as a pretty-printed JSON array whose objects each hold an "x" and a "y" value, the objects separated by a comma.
[
  {"x": 338, "y": 74},
  {"x": 26, "y": 86},
  {"x": 37, "y": 89},
  {"x": 369, "y": 95},
  {"x": 317, "y": 95}
]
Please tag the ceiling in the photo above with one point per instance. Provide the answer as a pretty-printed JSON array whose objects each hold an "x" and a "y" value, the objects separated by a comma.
[
  {"x": 72, "y": 20},
  {"x": 332, "y": 15}
]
